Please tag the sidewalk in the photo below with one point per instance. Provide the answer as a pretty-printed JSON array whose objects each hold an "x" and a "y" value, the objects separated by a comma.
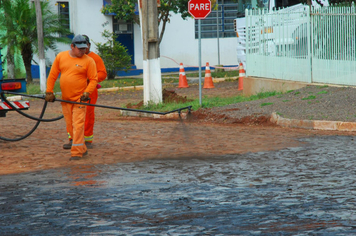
[{"x": 275, "y": 118}]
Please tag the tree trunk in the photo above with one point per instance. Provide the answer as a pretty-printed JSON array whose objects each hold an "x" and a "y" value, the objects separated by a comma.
[
  {"x": 309, "y": 3},
  {"x": 164, "y": 15},
  {"x": 164, "y": 20},
  {"x": 10, "y": 55},
  {"x": 27, "y": 55},
  {"x": 10, "y": 62}
]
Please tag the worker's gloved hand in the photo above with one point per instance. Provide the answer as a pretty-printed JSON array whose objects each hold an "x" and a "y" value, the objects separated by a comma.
[
  {"x": 50, "y": 97},
  {"x": 84, "y": 97}
]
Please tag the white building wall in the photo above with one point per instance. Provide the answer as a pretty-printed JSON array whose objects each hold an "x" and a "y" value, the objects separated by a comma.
[
  {"x": 85, "y": 18},
  {"x": 178, "y": 45}
]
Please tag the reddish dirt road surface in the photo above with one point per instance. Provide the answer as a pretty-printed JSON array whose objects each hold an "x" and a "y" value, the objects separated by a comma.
[{"x": 128, "y": 139}]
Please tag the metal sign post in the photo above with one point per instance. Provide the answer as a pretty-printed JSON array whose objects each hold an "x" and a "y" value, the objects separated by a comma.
[
  {"x": 199, "y": 32},
  {"x": 199, "y": 9}
]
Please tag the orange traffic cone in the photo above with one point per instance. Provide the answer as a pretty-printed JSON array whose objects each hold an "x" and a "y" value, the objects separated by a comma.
[
  {"x": 182, "y": 78},
  {"x": 241, "y": 77},
  {"x": 208, "y": 81}
]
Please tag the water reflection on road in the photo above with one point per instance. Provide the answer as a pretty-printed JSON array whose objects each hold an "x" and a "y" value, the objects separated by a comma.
[{"x": 309, "y": 189}]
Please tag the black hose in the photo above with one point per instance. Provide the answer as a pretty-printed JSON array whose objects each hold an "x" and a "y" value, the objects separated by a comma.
[
  {"x": 108, "y": 107},
  {"x": 28, "y": 116},
  {"x": 33, "y": 129},
  {"x": 60, "y": 117}
]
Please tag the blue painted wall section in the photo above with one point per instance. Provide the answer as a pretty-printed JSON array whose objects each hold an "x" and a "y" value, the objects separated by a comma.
[{"x": 35, "y": 71}]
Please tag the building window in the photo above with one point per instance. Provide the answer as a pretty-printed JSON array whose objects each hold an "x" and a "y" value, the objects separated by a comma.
[
  {"x": 63, "y": 11},
  {"x": 121, "y": 26},
  {"x": 221, "y": 19}
]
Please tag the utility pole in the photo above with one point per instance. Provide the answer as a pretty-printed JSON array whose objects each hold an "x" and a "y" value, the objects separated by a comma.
[
  {"x": 40, "y": 46},
  {"x": 152, "y": 83}
]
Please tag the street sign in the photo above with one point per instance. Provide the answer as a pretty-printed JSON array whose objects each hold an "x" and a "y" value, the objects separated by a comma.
[{"x": 199, "y": 9}]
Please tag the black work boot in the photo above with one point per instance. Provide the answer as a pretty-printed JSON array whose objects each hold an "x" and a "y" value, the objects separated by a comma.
[
  {"x": 68, "y": 145},
  {"x": 89, "y": 145},
  {"x": 77, "y": 158}
]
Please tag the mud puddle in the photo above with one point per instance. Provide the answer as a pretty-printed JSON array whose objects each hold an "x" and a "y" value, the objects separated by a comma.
[{"x": 307, "y": 189}]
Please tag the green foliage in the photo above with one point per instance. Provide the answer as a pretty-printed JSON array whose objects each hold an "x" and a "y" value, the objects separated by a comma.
[
  {"x": 225, "y": 74},
  {"x": 20, "y": 29},
  {"x": 114, "y": 54},
  {"x": 264, "y": 95},
  {"x": 19, "y": 69},
  {"x": 122, "y": 82},
  {"x": 124, "y": 10},
  {"x": 309, "y": 97},
  {"x": 207, "y": 102},
  {"x": 323, "y": 92},
  {"x": 18, "y": 74},
  {"x": 266, "y": 104}
]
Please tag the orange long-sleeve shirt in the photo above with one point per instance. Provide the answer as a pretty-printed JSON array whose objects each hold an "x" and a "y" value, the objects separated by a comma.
[
  {"x": 100, "y": 67},
  {"x": 75, "y": 72}
]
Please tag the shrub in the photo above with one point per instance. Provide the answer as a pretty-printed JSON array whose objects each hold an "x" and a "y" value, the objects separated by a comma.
[{"x": 114, "y": 54}]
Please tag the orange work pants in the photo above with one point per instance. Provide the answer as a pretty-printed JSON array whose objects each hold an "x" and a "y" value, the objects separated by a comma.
[
  {"x": 74, "y": 115},
  {"x": 90, "y": 118}
]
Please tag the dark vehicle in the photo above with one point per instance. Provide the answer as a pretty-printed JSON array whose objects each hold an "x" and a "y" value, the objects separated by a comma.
[{"x": 13, "y": 85}]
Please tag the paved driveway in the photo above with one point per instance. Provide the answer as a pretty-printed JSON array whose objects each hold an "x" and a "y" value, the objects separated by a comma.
[{"x": 305, "y": 190}]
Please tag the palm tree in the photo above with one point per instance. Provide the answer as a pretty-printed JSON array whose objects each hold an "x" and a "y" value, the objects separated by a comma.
[
  {"x": 8, "y": 40},
  {"x": 23, "y": 16}
]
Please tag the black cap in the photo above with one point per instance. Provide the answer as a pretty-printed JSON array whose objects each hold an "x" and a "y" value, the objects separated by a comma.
[{"x": 86, "y": 38}]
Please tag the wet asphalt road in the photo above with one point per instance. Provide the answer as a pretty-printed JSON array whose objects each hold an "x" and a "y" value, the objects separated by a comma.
[{"x": 308, "y": 190}]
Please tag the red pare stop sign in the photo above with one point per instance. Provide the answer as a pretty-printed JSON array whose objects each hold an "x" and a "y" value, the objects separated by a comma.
[{"x": 199, "y": 9}]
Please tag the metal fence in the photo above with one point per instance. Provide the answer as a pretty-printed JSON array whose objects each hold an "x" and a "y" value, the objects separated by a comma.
[{"x": 300, "y": 45}]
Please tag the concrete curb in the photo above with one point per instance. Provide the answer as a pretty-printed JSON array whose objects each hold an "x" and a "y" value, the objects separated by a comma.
[
  {"x": 183, "y": 115},
  {"x": 14, "y": 98},
  {"x": 276, "y": 119},
  {"x": 101, "y": 90},
  {"x": 313, "y": 124}
]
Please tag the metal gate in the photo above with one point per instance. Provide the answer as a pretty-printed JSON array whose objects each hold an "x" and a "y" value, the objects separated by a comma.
[
  {"x": 333, "y": 45},
  {"x": 301, "y": 45}
]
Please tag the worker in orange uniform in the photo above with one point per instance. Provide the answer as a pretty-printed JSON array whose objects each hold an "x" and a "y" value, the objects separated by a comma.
[
  {"x": 90, "y": 114},
  {"x": 76, "y": 69}
]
